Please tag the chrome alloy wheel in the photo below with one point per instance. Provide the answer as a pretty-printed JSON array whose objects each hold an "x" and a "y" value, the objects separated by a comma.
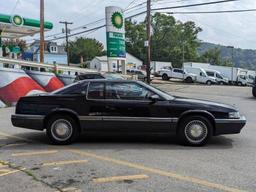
[
  {"x": 61, "y": 130},
  {"x": 196, "y": 131}
]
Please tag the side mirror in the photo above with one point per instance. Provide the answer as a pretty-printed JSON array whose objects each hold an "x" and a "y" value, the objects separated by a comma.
[
  {"x": 154, "y": 98},
  {"x": 201, "y": 74}
]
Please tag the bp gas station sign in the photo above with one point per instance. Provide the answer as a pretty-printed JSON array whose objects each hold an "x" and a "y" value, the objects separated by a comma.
[{"x": 115, "y": 33}]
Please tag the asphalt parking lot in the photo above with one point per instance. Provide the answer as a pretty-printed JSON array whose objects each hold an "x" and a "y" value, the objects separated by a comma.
[{"x": 120, "y": 163}]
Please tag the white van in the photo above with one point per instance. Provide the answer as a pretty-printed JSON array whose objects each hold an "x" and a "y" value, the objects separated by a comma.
[
  {"x": 202, "y": 76},
  {"x": 221, "y": 79}
]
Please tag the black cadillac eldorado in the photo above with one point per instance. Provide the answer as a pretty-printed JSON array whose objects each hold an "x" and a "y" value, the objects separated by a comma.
[{"x": 124, "y": 107}]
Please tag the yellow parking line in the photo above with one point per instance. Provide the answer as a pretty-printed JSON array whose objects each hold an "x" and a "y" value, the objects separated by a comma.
[
  {"x": 64, "y": 162},
  {"x": 15, "y": 145},
  {"x": 14, "y": 137},
  {"x": 34, "y": 153},
  {"x": 159, "y": 172},
  {"x": 4, "y": 171},
  {"x": 11, "y": 172},
  {"x": 120, "y": 178}
]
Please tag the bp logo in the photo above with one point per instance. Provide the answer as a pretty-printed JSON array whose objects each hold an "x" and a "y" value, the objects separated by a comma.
[
  {"x": 17, "y": 20},
  {"x": 117, "y": 20}
]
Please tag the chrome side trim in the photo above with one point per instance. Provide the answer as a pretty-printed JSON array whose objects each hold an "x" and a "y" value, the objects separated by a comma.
[
  {"x": 90, "y": 118},
  {"x": 135, "y": 119},
  {"x": 241, "y": 120},
  {"x": 27, "y": 117}
]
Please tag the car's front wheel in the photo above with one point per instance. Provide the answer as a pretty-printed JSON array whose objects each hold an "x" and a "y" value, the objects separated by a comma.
[
  {"x": 62, "y": 130},
  {"x": 195, "y": 131},
  {"x": 165, "y": 77}
]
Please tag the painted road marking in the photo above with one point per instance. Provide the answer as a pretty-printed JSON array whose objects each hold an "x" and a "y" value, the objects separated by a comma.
[
  {"x": 15, "y": 137},
  {"x": 34, "y": 153},
  {"x": 14, "y": 145},
  {"x": 64, "y": 163},
  {"x": 70, "y": 189},
  {"x": 148, "y": 169},
  {"x": 2, "y": 166},
  {"x": 11, "y": 172},
  {"x": 4, "y": 171},
  {"x": 159, "y": 172},
  {"x": 120, "y": 178}
]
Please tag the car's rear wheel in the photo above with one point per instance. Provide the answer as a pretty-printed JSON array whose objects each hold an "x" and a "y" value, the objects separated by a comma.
[
  {"x": 195, "y": 131},
  {"x": 254, "y": 92},
  {"x": 208, "y": 82},
  {"x": 165, "y": 77},
  {"x": 62, "y": 130},
  {"x": 189, "y": 80}
]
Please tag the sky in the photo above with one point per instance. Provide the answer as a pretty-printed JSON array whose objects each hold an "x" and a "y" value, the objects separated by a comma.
[{"x": 236, "y": 29}]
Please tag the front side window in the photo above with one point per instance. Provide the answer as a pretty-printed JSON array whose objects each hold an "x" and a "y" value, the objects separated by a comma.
[
  {"x": 96, "y": 90},
  {"x": 219, "y": 76},
  {"x": 127, "y": 91},
  {"x": 211, "y": 74}
]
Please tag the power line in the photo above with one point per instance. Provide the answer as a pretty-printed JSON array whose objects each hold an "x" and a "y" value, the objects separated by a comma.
[
  {"x": 211, "y": 12},
  {"x": 183, "y": 6},
  {"x": 141, "y": 13}
]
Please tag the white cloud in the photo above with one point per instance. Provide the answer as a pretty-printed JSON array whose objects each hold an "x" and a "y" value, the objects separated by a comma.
[{"x": 236, "y": 29}]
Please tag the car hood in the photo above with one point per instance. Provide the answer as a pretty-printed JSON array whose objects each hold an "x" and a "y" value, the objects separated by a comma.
[{"x": 197, "y": 104}]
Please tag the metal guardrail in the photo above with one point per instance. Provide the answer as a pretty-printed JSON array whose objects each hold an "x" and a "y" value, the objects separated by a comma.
[{"x": 53, "y": 67}]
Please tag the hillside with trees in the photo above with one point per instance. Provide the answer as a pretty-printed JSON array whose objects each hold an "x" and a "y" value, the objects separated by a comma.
[{"x": 244, "y": 58}]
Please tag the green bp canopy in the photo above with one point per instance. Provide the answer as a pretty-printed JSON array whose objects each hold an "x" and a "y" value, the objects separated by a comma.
[{"x": 16, "y": 26}]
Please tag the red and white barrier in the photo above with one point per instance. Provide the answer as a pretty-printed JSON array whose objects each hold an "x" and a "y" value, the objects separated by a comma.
[
  {"x": 66, "y": 79},
  {"x": 47, "y": 80},
  {"x": 15, "y": 83}
]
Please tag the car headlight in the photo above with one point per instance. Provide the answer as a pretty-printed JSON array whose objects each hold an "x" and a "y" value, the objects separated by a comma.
[{"x": 234, "y": 115}]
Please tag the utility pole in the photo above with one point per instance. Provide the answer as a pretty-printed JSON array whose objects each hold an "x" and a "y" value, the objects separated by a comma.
[
  {"x": 67, "y": 31},
  {"x": 148, "y": 44},
  {"x": 41, "y": 31},
  {"x": 232, "y": 61}
]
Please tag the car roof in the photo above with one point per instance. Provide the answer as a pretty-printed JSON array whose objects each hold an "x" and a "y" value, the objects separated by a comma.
[{"x": 107, "y": 80}]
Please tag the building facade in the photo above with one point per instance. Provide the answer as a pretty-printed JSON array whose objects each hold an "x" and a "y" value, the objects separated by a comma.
[
  {"x": 53, "y": 53},
  {"x": 101, "y": 63}
]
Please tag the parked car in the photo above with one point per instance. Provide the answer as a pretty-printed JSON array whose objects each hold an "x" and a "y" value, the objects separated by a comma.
[
  {"x": 100, "y": 106},
  {"x": 110, "y": 76},
  {"x": 174, "y": 73},
  {"x": 142, "y": 76},
  {"x": 218, "y": 76},
  {"x": 254, "y": 88},
  {"x": 202, "y": 76}
]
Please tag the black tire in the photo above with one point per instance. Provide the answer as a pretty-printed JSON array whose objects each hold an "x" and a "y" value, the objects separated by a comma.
[
  {"x": 186, "y": 131},
  {"x": 239, "y": 84},
  {"x": 165, "y": 77},
  {"x": 68, "y": 123},
  {"x": 222, "y": 83},
  {"x": 254, "y": 92},
  {"x": 208, "y": 83},
  {"x": 189, "y": 80}
]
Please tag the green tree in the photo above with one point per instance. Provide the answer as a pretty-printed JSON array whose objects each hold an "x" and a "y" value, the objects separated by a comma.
[
  {"x": 168, "y": 39},
  {"x": 85, "y": 49},
  {"x": 212, "y": 56}
]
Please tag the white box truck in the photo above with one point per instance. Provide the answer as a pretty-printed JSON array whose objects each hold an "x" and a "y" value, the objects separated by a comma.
[{"x": 235, "y": 75}]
